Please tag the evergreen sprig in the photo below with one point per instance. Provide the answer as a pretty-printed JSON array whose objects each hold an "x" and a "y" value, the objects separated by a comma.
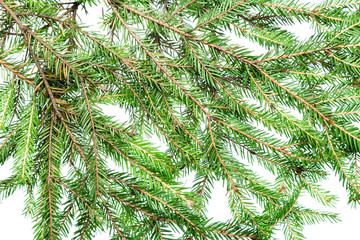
[{"x": 217, "y": 107}]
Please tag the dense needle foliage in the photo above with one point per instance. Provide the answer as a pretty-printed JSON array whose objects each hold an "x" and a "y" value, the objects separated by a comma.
[{"x": 218, "y": 108}]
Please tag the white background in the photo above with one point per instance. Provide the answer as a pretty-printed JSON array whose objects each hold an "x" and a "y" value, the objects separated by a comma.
[{"x": 14, "y": 226}]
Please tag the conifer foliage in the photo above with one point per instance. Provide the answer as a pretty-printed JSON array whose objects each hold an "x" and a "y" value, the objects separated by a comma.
[{"x": 219, "y": 109}]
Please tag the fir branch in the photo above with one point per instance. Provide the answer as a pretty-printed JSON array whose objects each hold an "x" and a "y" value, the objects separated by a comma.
[
  {"x": 11, "y": 69},
  {"x": 220, "y": 15},
  {"x": 214, "y": 104}
]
